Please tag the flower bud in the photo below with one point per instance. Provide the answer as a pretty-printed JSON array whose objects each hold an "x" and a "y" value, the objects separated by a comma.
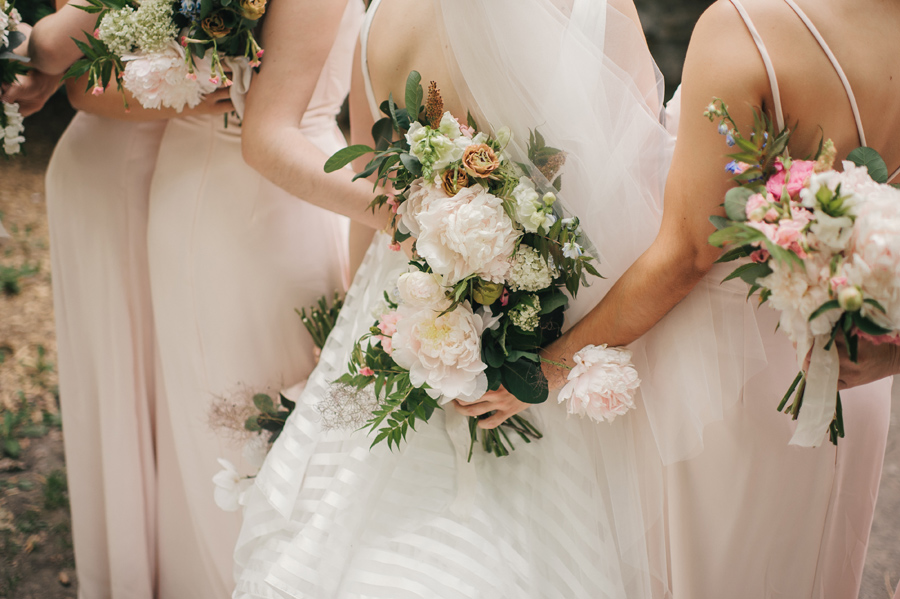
[
  {"x": 486, "y": 293},
  {"x": 850, "y": 299},
  {"x": 549, "y": 198}
]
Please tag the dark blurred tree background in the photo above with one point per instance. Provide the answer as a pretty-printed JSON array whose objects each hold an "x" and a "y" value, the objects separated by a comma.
[
  {"x": 668, "y": 25},
  {"x": 32, "y": 10}
]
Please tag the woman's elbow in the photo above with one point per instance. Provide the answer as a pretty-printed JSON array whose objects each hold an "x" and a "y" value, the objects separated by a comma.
[{"x": 253, "y": 144}]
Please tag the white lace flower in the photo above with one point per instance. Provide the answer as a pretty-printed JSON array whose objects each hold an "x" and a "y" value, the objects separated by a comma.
[
  {"x": 161, "y": 78},
  {"x": 526, "y": 314},
  {"x": 443, "y": 351},
  {"x": 467, "y": 234},
  {"x": 154, "y": 25},
  {"x": 118, "y": 31},
  {"x": 602, "y": 384},
  {"x": 230, "y": 487},
  {"x": 529, "y": 271}
]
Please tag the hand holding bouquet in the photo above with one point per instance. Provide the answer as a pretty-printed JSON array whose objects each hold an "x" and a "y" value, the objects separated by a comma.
[
  {"x": 168, "y": 52},
  {"x": 495, "y": 261},
  {"x": 11, "y": 66},
  {"x": 823, "y": 249}
]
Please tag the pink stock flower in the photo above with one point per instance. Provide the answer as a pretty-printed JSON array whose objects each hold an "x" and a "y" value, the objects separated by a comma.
[
  {"x": 388, "y": 324},
  {"x": 366, "y": 371},
  {"x": 795, "y": 179},
  {"x": 756, "y": 206},
  {"x": 801, "y": 215},
  {"x": 771, "y": 215}
]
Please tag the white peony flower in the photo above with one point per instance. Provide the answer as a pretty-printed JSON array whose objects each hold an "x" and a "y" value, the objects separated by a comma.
[
  {"x": 162, "y": 78},
  {"x": 443, "y": 351},
  {"x": 602, "y": 384},
  {"x": 420, "y": 289},
  {"x": 529, "y": 271},
  {"x": 417, "y": 199},
  {"x": 230, "y": 487},
  {"x": 467, "y": 234}
]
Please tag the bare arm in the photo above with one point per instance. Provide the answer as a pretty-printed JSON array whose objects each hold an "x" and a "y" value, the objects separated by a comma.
[
  {"x": 722, "y": 61},
  {"x": 298, "y": 37},
  {"x": 50, "y": 47}
]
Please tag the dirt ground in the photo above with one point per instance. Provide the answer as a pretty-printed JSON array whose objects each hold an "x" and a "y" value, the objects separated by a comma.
[{"x": 36, "y": 560}]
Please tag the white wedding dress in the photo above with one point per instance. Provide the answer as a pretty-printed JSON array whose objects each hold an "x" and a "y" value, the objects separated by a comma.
[{"x": 567, "y": 516}]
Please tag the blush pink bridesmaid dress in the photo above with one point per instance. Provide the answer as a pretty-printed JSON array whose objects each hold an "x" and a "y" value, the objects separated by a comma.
[
  {"x": 231, "y": 257},
  {"x": 98, "y": 184},
  {"x": 752, "y": 517}
]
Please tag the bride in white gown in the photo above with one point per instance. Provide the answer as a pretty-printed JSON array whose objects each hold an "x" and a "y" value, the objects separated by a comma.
[{"x": 577, "y": 514}]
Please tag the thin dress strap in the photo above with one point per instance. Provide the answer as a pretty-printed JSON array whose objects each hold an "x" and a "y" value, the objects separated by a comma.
[
  {"x": 770, "y": 69},
  {"x": 837, "y": 67},
  {"x": 364, "y": 56}
]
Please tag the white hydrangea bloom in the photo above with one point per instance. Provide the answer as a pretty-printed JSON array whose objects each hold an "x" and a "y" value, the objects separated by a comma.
[
  {"x": 529, "y": 271},
  {"x": 118, "y": 31},
  {"x": 526, "y": 315},
  {"x": 154, "y": 25}
]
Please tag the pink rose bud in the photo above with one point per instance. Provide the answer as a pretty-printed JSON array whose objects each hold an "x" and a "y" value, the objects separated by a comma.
[
  {"x": 184, "y": 41},
  {"x": 366, "y": 371},
  {"x": 97, "y": 91},
  {"x": 395, "y": 247}
]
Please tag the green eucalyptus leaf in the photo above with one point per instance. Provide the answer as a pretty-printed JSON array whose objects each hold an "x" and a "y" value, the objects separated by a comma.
[
  {"x": 412, "y": 164},
  {"x": 736, "y": 203},
  {"x": 414, "y": 95},
  {"x": 873, "y": 161},
  {"x": 263, "y": 402}
]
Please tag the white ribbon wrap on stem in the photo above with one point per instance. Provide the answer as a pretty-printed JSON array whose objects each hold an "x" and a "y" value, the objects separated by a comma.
[
  {"x": 466, "y": 476},
  {"x": 241, "y": 76},
  {"x": 820, "y": 398}
]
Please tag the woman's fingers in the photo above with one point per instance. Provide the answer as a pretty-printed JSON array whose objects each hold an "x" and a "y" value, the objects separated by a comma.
[
  {"x": 495, "y": 420},
  {"x": 474, "y": 409}
]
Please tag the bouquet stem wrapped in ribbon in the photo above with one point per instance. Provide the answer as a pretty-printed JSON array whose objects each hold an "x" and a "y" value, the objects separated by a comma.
[{"x": 822, "y": 247}]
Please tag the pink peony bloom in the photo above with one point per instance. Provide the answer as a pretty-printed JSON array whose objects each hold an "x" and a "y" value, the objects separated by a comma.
[
  {"x": 788, "y": 233},
  {"x": 387, "y": 344},
  {"x": 602, "y": 384},
  {"x": 388, "y": 324},
  {"x": 366, "y": 371},
  {"x": 771, "y": 215},
  {"x": 795, "y": 180}
]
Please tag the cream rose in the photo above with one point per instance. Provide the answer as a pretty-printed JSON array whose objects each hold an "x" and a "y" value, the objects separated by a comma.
[
  {"x": 467, "y": 234},
  {"x": 420, "y": 289}
]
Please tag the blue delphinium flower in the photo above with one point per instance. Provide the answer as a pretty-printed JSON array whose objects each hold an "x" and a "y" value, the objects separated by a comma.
[{"x": 190, "y": 9}]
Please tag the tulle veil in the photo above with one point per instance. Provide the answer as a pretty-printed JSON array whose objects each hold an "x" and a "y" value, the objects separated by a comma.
[{"x": 580, "y": 72}]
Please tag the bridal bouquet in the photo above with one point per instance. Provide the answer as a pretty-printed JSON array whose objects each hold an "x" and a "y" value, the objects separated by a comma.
[
  {"x": 168, "y": 52},
  {"x": 823, "y": 249},
  {"x": 11, "y": 66},
  {"x": 486, "y": 287}
]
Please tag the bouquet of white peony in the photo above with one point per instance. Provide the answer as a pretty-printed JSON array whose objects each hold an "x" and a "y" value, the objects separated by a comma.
[
  {"x": 495, "y": 262},
  {"x": 169, "y": 52},
  {"x": 11, "y": 66},
  {"x": 823, "y": 249}
]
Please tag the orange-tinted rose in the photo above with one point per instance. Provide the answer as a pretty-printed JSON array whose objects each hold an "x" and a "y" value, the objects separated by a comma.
[
  {"x": 214, "y": 26},
  {"x": 480, "y": 161},
  {"x": 253, "y": 9},
  {"x": 454, "y": 180}
]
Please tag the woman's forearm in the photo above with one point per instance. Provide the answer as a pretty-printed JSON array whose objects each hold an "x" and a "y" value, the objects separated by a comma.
[
  {"x": 50, "y": 46},
  {"x": 648, "y": 290}
]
